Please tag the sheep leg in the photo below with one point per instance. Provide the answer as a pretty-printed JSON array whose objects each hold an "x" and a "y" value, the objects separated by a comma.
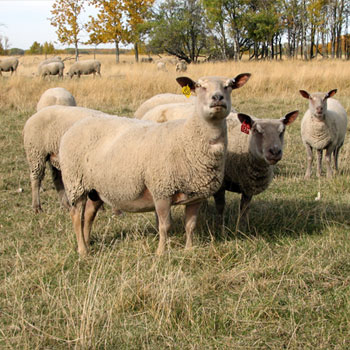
[
  {"x": 319, "y": 162},
  {"x": 35, "y": 183},
  {"x": 243, "y": 216},
  {"x": 58, "y": 183},
  {"x": 91, "y": 210},
  {"x": 328, "y": 163},
  {"x": 335, "y": 156},
  {"x": 77, "y": 215},
  {"x": 163, "y": 212},
  {"x": 220, "y": 202},
  {"x": 191, "y": 214},
  {"x": 309, "y": 157}
]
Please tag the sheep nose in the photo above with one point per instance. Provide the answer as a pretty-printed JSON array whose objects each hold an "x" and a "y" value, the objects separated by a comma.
[
  {"x": 275, "y": 151},
  {"x": 319, "y": 109},
  {"x": 217, "y": 97}
]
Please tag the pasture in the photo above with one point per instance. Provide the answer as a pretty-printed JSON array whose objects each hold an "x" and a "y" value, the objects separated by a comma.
[{"x": 282, "y": 284}]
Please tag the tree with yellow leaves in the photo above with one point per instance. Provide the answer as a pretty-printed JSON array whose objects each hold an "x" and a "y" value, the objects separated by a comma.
[
  {"x": 65, "y": 18},
  {"x": 108, "y": 27}
]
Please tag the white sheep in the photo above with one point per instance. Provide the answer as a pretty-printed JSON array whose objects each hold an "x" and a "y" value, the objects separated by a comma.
[
  {"x": 161, "y": 66},
  {"x": 253, "y": 148},
  {"x": 51, "y": 68},
  {"x": 42, "y": 134},
  {"x": 84, "y": 68},
  {"x": 323, "y": 127},
  {"x": 249, "y": 159},
  {"x": 181, "y": 66},
  {"x": 8, "y": 65},
  {"x": 112, "y": 160},
  {"x": 161, "y": 99},
  {"x": 56, "y": 96}
]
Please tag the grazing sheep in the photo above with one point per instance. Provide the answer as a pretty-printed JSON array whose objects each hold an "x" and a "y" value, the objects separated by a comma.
[
  {"x": 181, "y": 66},
  {"x": 56, "y": 96},
  {"x": 8, "y": 65},
  {"x": 253, "y": 148},
  {"x": 161, "y": 66},
  {"x": 42, "y": 134},
  {"x": 161, "y": 99},
  {"x": 50, "y": 60},
  {"x": 323, "y": 127},
  {"x": 112, "y": 160},
  {"x": 85, "y": 68},
  {"x": 146, "y": 59},
  {"x": 52, "y": 68}
]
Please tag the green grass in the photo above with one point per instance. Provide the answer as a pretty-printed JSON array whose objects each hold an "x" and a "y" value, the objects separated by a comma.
[{"x": 283, "y": 284}]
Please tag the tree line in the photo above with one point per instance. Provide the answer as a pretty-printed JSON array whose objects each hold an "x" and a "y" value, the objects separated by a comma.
[{"x": 211, "y": 29}]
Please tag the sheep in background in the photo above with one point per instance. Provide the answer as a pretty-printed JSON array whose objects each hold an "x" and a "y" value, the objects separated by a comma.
[
  {"x": 42, "y": 135},
  {"x": 161, "y": 99},
  {"x": 181, "y": 66},
  {"x": 84, "y": 68},
  {"x": 254, "y": 147},
  {"x": 8, "y": 65},
  {"x": 112, "y": 160},
  {"x": 323, "y": 127},
  {"x": 56, "y": 96},
  {"x": 52, "y": 68},
  {"x": 161, "y": 66}
]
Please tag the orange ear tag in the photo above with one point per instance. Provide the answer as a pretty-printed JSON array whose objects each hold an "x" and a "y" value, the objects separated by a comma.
[
  {"x": 245, "y": 127},
  {"x": 186, "y": 91}
]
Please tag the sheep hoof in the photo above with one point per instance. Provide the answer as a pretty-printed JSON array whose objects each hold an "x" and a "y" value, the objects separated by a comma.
[{"x": 37, "y": 210}]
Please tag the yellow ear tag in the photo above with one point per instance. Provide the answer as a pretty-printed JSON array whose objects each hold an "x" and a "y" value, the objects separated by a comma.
[{"x": 186, "y": 91}]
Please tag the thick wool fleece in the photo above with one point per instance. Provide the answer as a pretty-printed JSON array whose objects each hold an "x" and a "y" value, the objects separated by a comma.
[{"x": 56, "y": 96}]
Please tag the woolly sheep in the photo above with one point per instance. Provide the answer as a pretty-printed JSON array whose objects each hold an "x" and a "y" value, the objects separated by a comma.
[
  {"x": 181, "y": 66},
  {"x": 56, "y": 96},
  {"x": 112, "y": 160},
  {"x": 50, "y": 60},
  {"x": 161, "y": 66},
  {"x": 8, "y": 65},
  {"x": 323, "y": 127},
  {"x": 42, "y": 134},
  {"x": 52, "y": 68},
  {"x": 161, "y": 99},
  {"x": 251, "y": 157},
  {"x": 248, "y": 169},
  {"x": 85, "y": 68}
]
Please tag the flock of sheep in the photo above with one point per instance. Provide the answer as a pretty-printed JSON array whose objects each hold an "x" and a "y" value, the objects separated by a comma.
[{"x": 177, "y": 150}]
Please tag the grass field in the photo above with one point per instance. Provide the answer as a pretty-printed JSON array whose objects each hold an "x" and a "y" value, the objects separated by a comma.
[{"x": 283, "y": 284}]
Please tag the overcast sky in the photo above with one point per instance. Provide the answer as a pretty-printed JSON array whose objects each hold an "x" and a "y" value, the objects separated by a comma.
[{"x": 26, "y": 21}]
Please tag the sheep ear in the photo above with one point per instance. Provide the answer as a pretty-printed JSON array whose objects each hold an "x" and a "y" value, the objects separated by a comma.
[
  {"x": 330, "y": 93},
  {"x": 245, "y": 118},
  {"x": 290, "y": 117},
  {"x": 239, "y": 80},
  {"x": 184, "y": 81},
  {"x": 304, "y": 93}
]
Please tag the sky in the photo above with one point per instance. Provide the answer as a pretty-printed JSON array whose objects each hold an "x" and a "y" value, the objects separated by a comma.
[{"x": 26, "y": 21}]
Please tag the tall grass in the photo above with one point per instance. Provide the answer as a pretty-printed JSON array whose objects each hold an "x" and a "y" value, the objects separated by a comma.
[{"x": 282, "y": 284}]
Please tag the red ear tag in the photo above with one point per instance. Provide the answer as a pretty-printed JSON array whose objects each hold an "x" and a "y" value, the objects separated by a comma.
[{"x": 245, "y": 127}]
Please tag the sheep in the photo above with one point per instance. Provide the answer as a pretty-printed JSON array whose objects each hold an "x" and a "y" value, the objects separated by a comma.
[
  {"x": 161, "y": 66},
  {"x": 56, "y": 96},
  {"x": 42, "y": 134},
  {"x": 181, "y": 66},
  {"x": 52, "y": 68},
  {"x": 146, "y": 59},
  {"x": 253, "y": 148},
  {"x": 161, "y": 99},
  {"x": 85, "y": 68},
  {"x": 323, "y": 127},
  {"x": 111, "y": 160},
  {"x": 8, "y": 65},
  {"x": 50, "y": 60},
  {"x": 248, "y": 169}
]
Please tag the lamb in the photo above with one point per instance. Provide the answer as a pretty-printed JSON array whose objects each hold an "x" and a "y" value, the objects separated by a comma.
[
  {"x": 52, "y": 68},
  {"x": 112, "y": 160},
  {"x": 56, "y": 96},
  {"x": 42, "y": 135},
  {"x": 8, "y": 65},
  {"x": 254, "y": 147},
  {"x": 85, "y": 68},
  {"x": 161, "y": 99},
  {"x": 323, "y": 127},
  {"x": 249, "y": 160},
  {"x": 181, "y": 66}
]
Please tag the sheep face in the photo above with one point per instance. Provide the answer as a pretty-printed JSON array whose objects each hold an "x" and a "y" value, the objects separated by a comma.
[
  {"x": 318, "y": 102},
  {"x": 214, "y": 94},
  {"x": 267, "y": 136}
]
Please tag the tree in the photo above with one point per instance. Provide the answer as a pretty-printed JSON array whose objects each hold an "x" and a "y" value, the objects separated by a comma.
[
  {"x": 35, "y": 49},
  {"x": 48, "y": 49},
  {"x": 137, "y": 13},
  {"x": 108, "y": 27},
  {"x": 65, "y": 18}
]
